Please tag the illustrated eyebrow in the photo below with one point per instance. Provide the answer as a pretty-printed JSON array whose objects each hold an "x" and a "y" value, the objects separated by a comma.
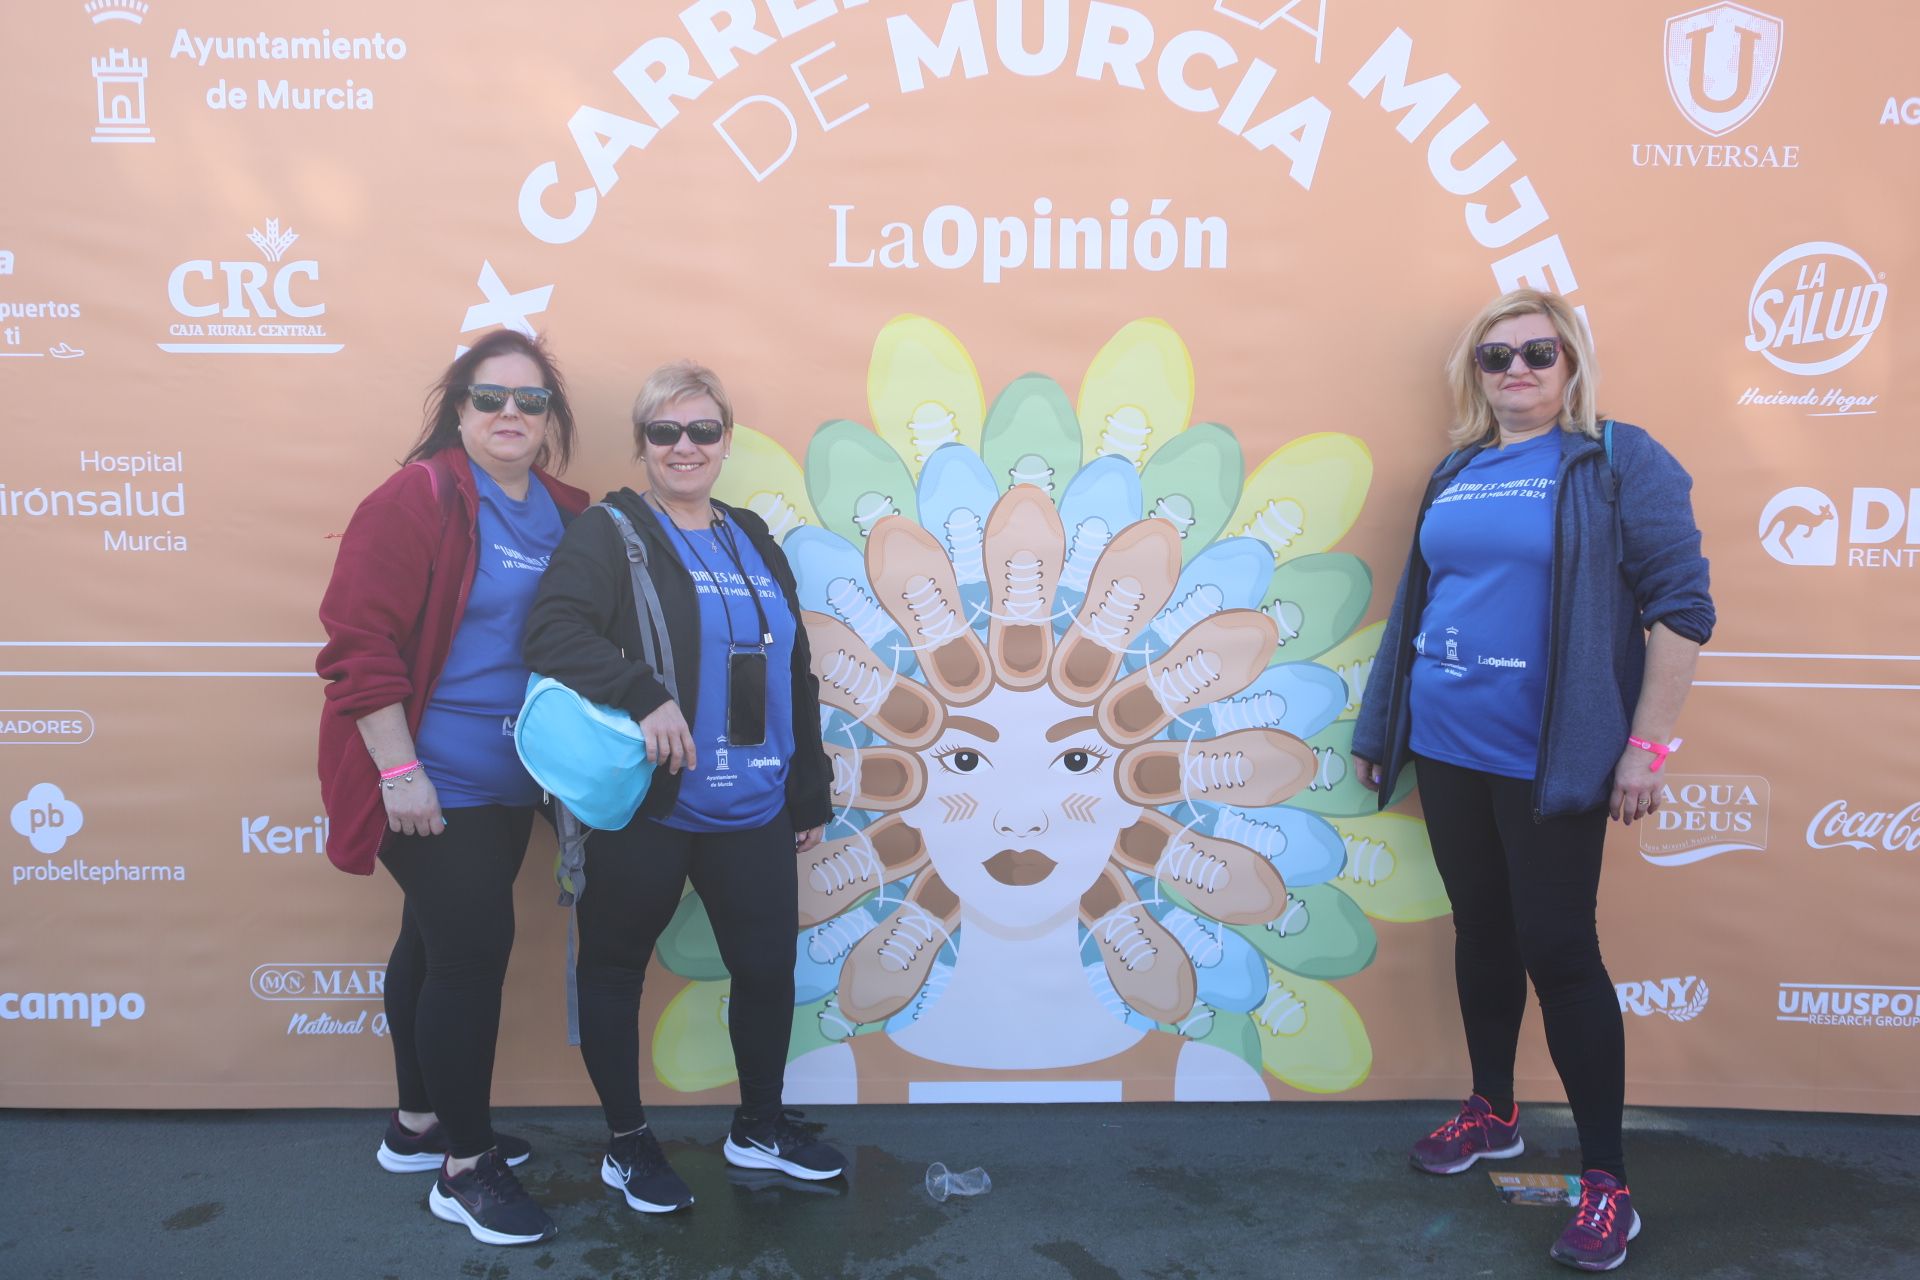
[
  {"x": 1067, "y": 728},
  {"x": 978, "y": 728}
]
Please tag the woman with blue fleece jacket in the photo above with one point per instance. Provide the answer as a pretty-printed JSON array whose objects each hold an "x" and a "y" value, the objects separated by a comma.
[{"x": 1539, "y": 648}]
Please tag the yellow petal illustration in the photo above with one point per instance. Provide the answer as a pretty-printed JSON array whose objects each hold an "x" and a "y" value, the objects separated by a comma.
[
  {"x": 764, "y": 478},
  {"x": 1352, "y": 660},
  {"x": 691, "y": 1050},
  {"x": 923, "y": 390},
  {"x": 1138, "y": 392},
  {"x": 1311, "y": 1036},
  {"x": 1306, "y": 496},
  {"x": 1390, "y": 870}
]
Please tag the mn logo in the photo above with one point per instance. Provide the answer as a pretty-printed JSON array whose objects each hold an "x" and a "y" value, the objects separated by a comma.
[{"x": 1721, "y": 64}]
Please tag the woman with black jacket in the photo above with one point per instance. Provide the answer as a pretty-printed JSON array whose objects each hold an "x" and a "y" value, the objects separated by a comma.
[{"x": 733, "y": 724}]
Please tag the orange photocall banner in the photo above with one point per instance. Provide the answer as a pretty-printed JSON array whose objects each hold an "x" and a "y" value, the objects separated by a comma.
[{"x": 1153, "y": 294}]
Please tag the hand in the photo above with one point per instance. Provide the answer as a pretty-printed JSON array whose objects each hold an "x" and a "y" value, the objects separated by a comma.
[
  {"x": 805, "y": 840},
  {"x": 669, "y": 740},
  {"x": 1367, "y": 772},
  {"x": 413, "y": 806},
  {"x": 1636, "y": 787}
]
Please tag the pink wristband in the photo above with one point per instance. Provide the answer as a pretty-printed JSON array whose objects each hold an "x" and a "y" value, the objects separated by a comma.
[
  {"x": 398, "y": 771},
  {"x": 1661, "y": 750}
]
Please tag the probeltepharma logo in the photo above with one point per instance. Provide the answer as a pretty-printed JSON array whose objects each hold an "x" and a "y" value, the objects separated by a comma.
[
  {"x": 1838, "y": 825},
  {"x": 1801, "y": 526},
  {"x": 264, "y": 835},
  {"x": 265, "y": 307},
  {"x": 1680, "y": 999},
  {"x": 349, "y": 984},
  {"x": 49, "y": 821},
  {"x": 47, "y": 818},
  {"x": 1702, "y": 816},
  {"x": 1846, "y": 1004},
  {"x": 1721, "y": 62}
]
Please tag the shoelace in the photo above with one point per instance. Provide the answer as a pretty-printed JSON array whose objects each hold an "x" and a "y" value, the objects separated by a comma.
[
  {"x": 493, "y": 1176},
  {"x": 1187, "y": 864},
  {"x": 646, "y": 1152},
  {"x": 1026, "y": 581},
  {"x": 862, "y": 684},
  {"x": 1108, "y": 624},
  {"x": 788, "y": 1129},
  {"x": 1596, "y": 1212},
  {"x": 858, "y": 610},
  {"x": 854, "y": 862},
  {"x": 1174, "y": 686},
  {"x": 933, "y": 616}
]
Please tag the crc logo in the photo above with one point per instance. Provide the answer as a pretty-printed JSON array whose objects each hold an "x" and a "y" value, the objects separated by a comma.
[
  {"x": 1721, "y": 63},
  {"x": 47, "y": 818},
  {"x": 1680, "y": 999},
  {"x": 1838, "y": 827},
  {"x": 261, "y": 835},
  {"x": 1703, "y": 817},
  {"x": 1799, "y": 527},
  {"x": 1808, "y": 301},
  {"x": 258, "y": 304},
  {"x": 289, "y": 981}
]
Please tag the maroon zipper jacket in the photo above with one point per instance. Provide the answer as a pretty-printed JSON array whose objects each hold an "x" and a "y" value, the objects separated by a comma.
[{"x": 398, "y": 592}]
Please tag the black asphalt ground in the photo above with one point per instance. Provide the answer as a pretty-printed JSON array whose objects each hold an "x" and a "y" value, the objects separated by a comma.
[{"x": 1081, "y": 1193}]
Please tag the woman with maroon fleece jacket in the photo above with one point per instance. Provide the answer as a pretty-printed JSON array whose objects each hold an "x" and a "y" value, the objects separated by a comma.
[{"x": 423, "y": 615}]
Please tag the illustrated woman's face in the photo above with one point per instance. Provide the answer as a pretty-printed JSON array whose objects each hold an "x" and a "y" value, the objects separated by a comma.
[{"x": 1019, "y": 823}]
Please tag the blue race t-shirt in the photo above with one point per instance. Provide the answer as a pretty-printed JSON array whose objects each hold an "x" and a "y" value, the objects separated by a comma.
[
  {"x": 1480, "y": 664},
  {"x": 734, "y": 787},
  {"x": 466, "y": 733}
]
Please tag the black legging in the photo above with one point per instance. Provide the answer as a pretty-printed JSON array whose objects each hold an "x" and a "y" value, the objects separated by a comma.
[
  {"x": 749, "y": 884},
  {"x": 1523, "y": 898},
  {"x": 445, "y": 974}
]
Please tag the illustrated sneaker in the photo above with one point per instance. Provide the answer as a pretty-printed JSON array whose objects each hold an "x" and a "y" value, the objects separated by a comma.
[
  {"x": 1219, "y": 655},
  {"x": 404, "y": 1151},
  {"x": 914, "y": 582},
  {"x": 1148, "y": 968},
  {"x": 1129, "y": 584},
  {"x": 1250, "y": 767},
  {"x": 1024, "y": 547},
  {"x": 883, "y": 778},
  {"x": 784, "y": 1143},
  {"x": 636, "y": 1167},
  {"x": 1228, "y": 881},
  {"x": 1475, "y": 1134},
  {"x": 854, "y": 679},
  {"x": 490, "y": 1203},
  {"x": 834, "y": 875},
  {"x": 891, "y": 964},
  {"x": 1596, "y": 1239}
]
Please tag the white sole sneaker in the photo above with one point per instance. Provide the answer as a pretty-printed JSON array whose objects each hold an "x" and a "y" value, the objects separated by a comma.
[
  {"x": 758, "y": 1158},
  {"x": 610, "y": 1174},
  {"x": 449, "y": 1209}
]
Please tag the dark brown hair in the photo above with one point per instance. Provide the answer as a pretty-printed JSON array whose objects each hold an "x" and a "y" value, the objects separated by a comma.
[{"x": 442, "y": 429}]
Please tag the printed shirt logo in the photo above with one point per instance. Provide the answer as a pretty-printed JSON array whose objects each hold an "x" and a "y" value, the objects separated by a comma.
[
  {"x": 1800, "y": 527},
  {"x": 1721, "y": 64}
]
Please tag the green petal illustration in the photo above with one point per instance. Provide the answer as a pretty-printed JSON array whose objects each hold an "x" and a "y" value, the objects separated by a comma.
[
  {"x": 1352, "y": 660},
  {"x": 1194, "y": 480},
  {"x": 923, "y": 390},
  {"x": 1335, "y": 792},
  {"x": 1337, "y": 941},
  {"x": 1235, "y": 1033},
  {"x": 1138, "y": 392},
  {"x": 766, "y": 480},
  {"x": 1032, "y": 419},
  {"x": 1315, "y": 600},
  {"x": 1305, "y": 496},
  {"x": 855, "y": 479},
  {"x": 691, "y": 1049},
  {"x": 687, "y": 945},
  {"x": 1390, "y": 870},
  {"x": 1311, "y": 1036}
]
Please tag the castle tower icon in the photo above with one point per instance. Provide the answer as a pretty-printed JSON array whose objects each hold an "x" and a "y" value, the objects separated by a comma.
[{"x": 122, "y": 82}]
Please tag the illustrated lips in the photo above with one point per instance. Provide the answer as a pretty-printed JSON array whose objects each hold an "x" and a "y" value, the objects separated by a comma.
[{"x": 1019, "y": 867}]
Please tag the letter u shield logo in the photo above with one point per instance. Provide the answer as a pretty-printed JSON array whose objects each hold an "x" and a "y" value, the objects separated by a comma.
[{"x": 1721, "y": 64}]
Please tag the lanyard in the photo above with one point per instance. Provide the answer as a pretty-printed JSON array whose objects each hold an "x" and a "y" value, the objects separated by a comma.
[{"x": 720, "y": 531}]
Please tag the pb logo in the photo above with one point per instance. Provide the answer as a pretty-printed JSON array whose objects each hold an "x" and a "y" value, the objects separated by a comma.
[
  {"x": 1721, "y": 63},
  {"x": 47, "y": 818},
  {"x": 1800, "y": 527}
]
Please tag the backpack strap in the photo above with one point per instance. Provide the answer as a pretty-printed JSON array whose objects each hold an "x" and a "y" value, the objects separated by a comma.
[{"x": 654, "y": 647}]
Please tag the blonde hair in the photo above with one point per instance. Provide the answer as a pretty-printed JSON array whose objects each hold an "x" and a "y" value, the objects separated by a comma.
[
  {"x": 671, "y": 382},
  {"x": 1473, "y": 421}
]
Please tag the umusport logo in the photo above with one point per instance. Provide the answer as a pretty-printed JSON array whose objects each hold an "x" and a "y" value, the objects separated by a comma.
[
  {"x": 1680, "y": 999},
  {"x": 1847, "y": 1004},
  {"x": 90, "y": 1007}
]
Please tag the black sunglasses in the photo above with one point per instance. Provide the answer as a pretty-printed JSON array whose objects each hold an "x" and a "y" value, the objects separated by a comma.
[
  {"x": 489, "y": 397},
  {"x": 664, "y": 433},
  {"x": 1497, "y": 357}
]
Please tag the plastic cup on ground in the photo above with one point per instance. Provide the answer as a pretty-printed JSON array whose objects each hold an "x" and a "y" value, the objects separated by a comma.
[{"x": 942, "y": 1183}]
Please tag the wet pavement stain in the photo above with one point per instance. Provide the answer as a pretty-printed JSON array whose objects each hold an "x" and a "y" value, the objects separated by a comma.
[
  {"x": 1074, "y": 1258},
  {"x": 198, "y": 1215}
]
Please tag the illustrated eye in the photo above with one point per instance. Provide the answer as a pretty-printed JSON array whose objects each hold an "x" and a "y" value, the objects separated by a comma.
[
  {"x": 1081, "y": 759},
  {"x": 959, "y": 759}
]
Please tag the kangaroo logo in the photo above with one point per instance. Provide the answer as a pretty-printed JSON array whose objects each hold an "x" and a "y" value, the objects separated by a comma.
[
  {"x": 1721, "y": 63},
  {"x": 1799, "y": 527}
]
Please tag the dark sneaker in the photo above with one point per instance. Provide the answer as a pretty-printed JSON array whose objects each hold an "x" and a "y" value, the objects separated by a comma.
[
  {"x": 490, "y": 1202},
  {"x": 1475, "y": 1134},
  {"x": 1596, "y": 1239},
  {"x": 404, "y": 1151},
  {"x": 782, "y": 1142},
  {"x": 637, "y": 1168}
]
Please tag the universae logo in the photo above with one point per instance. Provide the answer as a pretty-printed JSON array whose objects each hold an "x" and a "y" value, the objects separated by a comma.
[{"x": 1721, "y": 63}]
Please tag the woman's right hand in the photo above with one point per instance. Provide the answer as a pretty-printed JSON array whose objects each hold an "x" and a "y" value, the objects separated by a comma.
[
  {"x": 1367, "y": 772},
  {"x": 413, "y": 806},
  {"x": 669, "y": 740}
]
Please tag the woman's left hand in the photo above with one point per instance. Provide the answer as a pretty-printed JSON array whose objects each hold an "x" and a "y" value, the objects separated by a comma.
[
  {"x": 805, "y": 840},
  {"x": 1636, "y": 787}
]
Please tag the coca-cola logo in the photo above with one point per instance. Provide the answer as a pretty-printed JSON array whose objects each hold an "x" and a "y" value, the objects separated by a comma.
[{"x": 1839, "y": 827}]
